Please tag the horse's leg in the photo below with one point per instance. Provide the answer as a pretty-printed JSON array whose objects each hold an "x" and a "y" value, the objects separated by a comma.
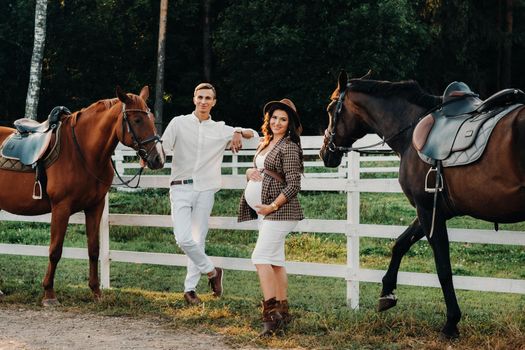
[
  {"x": 411, "y": 235},
  {"x": 59, "y": 221},
  {"x": 93, "y": 216},
  {"x": 441, "y": 248}
]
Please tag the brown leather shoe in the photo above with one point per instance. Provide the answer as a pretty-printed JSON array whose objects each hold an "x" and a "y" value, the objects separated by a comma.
[
  {"x": 192, "y": 298},
  {"x": 283, "y": 309},
  {"x": 215, "y": 283},
  {"x": 272, "y": 319}
]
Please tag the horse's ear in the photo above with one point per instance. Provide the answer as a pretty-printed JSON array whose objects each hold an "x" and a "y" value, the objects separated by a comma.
[
  {"x": 144, "y": 93},
  {"x": 121, "y": 95},
  {"x": 367, "y": 75},
  {"x": 342, "y": 80}
]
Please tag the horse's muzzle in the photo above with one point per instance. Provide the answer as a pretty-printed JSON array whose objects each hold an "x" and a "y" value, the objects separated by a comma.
[
  {"x": 156, "y": 158},
  {"x": 331, "y": 159}
]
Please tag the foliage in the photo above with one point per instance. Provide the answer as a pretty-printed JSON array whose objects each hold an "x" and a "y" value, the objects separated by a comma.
[
  {"x": 262, "y": 50},
  {"x": 296, "y": 50}
]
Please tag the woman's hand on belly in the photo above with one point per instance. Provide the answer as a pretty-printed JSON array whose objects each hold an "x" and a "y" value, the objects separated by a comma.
[{"x": 253, "y": 174}]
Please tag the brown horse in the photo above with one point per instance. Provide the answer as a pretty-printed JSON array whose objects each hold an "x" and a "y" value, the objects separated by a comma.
[
  {"x": 491, "y": 189},
  {"x": 82, "y": 174}
]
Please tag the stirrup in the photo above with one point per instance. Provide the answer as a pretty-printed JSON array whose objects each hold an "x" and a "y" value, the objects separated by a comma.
[
  {"x": 439, "y": 187},
  {"x": 37, "y": 186}
]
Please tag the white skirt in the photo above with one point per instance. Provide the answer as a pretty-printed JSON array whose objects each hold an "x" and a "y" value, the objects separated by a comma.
[{"x": 269, "y": 248}]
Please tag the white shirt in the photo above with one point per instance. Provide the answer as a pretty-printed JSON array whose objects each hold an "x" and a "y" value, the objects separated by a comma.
[{"x": 198, "y": 148}]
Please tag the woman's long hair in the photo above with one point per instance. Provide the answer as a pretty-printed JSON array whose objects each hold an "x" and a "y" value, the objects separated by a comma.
[{"x": 294, "y": 131}]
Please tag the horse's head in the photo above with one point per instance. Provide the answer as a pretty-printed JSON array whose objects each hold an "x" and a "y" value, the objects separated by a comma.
[
  {"x": 138, "y": 128},
  {"x": 345, "y": 124}
]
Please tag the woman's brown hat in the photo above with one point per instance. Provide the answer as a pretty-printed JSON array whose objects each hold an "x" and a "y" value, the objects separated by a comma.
[{"x": 286, "y": 105}]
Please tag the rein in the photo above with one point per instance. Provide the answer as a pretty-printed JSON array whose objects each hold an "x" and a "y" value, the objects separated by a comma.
[{"x": 332, "y": 147}]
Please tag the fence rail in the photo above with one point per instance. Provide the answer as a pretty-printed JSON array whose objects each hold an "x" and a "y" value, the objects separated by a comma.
[{"x": 345, "y": 179}]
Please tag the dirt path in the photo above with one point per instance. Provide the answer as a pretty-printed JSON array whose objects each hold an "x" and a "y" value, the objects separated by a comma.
[{"x": 52, "y": 329}]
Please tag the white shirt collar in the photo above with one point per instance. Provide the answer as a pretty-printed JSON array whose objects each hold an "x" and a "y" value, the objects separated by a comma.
[{"x": 197, "y": 118}]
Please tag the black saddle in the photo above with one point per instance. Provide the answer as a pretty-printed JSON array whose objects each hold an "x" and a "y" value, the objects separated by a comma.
[
  {"x": 458, "y": 99},
  {"x": 455, "y": 126},
  {"x": 29, "y": 143},
  {"x": 26, "y": 125}
]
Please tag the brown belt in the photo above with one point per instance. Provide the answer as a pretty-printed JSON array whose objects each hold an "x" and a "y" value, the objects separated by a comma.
[
  {"x": 275, "y": 175},
  {"x": 181, "y": 182}
]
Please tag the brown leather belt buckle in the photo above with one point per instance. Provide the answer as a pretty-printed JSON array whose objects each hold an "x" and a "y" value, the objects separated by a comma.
[{"x": 181, "y": 182}]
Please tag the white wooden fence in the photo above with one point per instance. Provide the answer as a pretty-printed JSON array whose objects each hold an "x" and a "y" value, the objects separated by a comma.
[{"x": 345, "y": 179}]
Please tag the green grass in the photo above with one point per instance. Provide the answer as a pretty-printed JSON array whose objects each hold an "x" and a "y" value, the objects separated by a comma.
[
  {"x": 322, "y": 319},
  {"x": 490, "y": 320}
]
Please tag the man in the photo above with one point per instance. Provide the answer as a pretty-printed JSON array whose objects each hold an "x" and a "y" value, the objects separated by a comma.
[{"x": 198, "y": 145}]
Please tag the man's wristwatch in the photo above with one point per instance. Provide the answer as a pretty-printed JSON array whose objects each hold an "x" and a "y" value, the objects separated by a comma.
[{"x": 238, "y": 130}]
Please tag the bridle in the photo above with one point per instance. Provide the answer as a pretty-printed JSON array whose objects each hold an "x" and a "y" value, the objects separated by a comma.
[
  {"x": 137, "y": 144},
  {"x": 332, "y": 147}
]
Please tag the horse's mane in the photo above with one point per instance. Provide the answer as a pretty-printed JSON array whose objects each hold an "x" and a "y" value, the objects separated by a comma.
[
  {"x": 110, "y": 102},
  {"x": 410, "y": 90},
  {"x": 102, "y": 105}
]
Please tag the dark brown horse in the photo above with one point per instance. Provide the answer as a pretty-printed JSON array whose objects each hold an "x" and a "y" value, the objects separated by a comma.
[
  {"x": 491, "y": 189},
  {"x": 82, "y": 174}
]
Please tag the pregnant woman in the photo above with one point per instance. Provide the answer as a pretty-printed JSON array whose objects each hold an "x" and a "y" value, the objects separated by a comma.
[{"x": 271, "y": 198}]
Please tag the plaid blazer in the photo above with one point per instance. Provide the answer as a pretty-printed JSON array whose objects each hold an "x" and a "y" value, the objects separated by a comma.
[{"x": 284, "y": 159}]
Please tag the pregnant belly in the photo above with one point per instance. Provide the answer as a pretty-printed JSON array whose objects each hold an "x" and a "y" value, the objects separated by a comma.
[{"x": 252, "y": 193}]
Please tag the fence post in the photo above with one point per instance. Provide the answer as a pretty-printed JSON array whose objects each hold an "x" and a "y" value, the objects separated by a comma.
[
  {"x": 118, "y": 158},
  {"x": 104, "y": 245},
  {"x": 235, "y": 164},
  {"x": 352, "y": 235}
]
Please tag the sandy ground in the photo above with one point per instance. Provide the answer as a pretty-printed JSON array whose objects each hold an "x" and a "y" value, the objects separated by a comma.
[{"x": 54, "y": 329}]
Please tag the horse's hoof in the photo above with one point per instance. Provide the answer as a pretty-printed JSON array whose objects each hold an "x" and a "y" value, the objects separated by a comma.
[
  {"x": 450, "y": 333},
  {"x": 50, "y": 302},
  {"x": 386, "y": 302}
]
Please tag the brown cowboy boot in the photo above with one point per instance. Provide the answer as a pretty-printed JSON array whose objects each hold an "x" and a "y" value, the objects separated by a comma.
[
  {"x": 282, "y": 308},
  {"x": 272, "y": 319}
]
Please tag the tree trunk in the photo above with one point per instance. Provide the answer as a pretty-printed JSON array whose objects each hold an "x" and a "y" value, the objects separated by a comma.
[
  {"x": 507, "y": 47},
  {"x": 159, "y": 85},
  {"x": 35, "y": 74},
  {"x": 499, "y": 28},
  {"x": 206, "y": 42}
]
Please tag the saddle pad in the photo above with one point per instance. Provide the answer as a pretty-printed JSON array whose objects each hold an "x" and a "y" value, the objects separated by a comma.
[
  {"x": 474, "y": 152},
  {"x": 14, "y": 165}
]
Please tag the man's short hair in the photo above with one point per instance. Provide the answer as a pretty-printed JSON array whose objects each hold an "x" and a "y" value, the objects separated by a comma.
[{"x": 204, "y": 86}]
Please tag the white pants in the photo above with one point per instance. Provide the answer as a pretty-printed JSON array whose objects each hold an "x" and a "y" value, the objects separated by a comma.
[
  {"x": 269, "y": 248},
  {"x": 190, "y": 211}
]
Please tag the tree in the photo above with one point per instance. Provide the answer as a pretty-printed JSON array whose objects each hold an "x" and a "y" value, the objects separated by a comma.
[
  {"x": 270, "y": 49},
  {"x": 206, "y": 35},
  {"x": 159, "y": 85},
  {"x": 507, "y": 47},
  {"x": 35, "y": 75}
]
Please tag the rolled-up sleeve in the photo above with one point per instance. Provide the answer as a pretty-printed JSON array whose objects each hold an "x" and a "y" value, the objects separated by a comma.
[
  {"x": 227, "y": 131},
  {"x": 292, "y": 166}
]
